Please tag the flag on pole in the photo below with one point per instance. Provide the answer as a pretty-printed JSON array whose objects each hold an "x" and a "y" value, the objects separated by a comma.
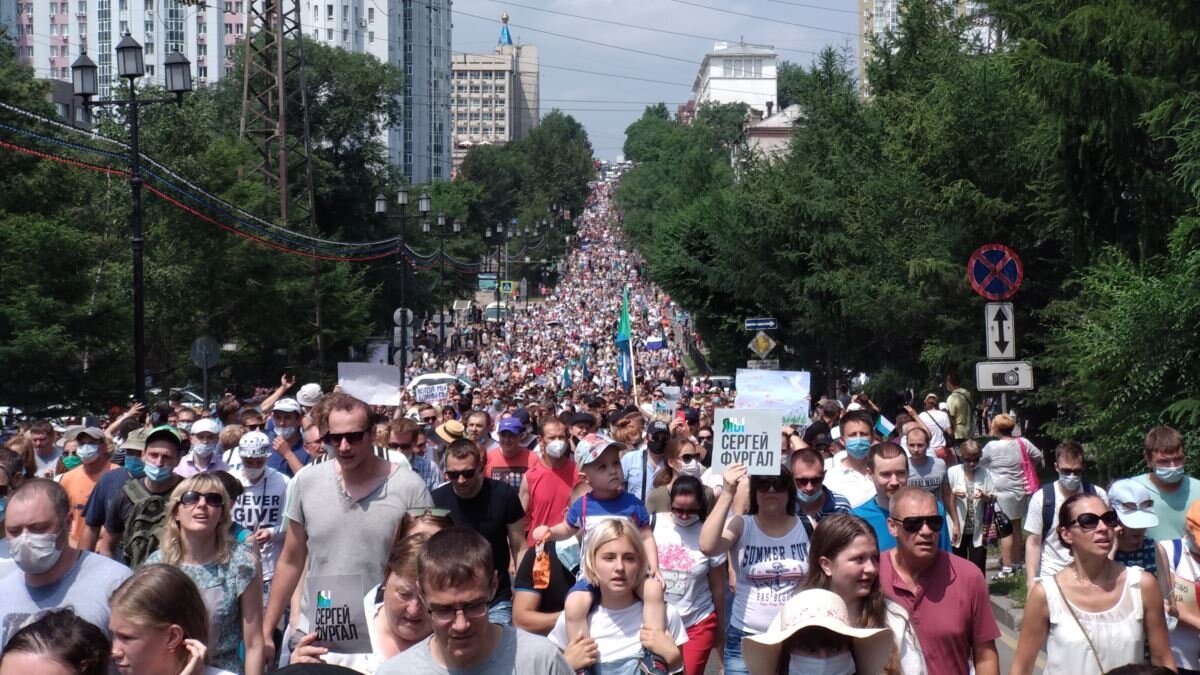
[
  {"x": 624, "y": 356},
  {"x": 587, "y": 376},
  {"x": 566, "y": 376}
]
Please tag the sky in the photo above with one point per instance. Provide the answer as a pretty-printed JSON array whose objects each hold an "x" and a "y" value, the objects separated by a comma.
[{"x": 607, "y": 105}]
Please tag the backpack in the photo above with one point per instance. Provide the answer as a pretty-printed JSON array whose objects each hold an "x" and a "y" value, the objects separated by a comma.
[
  {"x": 144, "y": 522},
  {"x": 1048, "y": 498}
]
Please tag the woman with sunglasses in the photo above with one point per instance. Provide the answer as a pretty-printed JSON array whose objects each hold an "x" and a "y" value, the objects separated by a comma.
[
  {"x": 973, "y": 490},
  {"x": 196, "y": 538},
  {"x": 396, "y": 618},
  {"x": 682, "y": 458},
  {"x": 769, "y": 547},
  {"x": 695, "y": 583},
  {"x": 1096, "y": 614},
  {"x": 845, "y": 553}
]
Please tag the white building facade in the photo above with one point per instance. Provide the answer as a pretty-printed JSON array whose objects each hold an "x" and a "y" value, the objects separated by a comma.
[{"x": 737, "y": 73}]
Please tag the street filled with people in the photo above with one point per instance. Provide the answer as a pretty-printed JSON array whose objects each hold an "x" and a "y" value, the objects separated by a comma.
[{"x": 559, "y": 512}]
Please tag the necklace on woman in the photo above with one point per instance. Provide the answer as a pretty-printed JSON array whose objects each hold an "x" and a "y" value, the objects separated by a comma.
[{"x": 1093, "y": 584}]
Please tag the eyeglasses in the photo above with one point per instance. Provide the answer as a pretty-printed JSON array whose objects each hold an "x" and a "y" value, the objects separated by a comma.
[
  {"x": 253, "y": 427},
  {"x": 351, "y": 437},
  {"x": 1130, "y": 507},
  {"x": 401, "y": 446},
  {"x": 684, "y": 513},
  {"x": 773, "y": 484},
  {"x": 704, "y": 438},
  {"x": 816, "y": 482},
  {"x": 1089, "y": 521},
  {"x": 1071, "y": 472},
  {"x": 688, "y": 458},
  {"x": 192, "y": 498},
  {"x": 912, "y": 524},
  {"x": 429, "y": 420},
  {"x": 465, "y": 473},
  {"x": 475, "y": 610},
  {"x": 428, "y": 511}
]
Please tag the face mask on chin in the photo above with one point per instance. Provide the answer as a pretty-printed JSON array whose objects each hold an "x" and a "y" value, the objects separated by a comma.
[{"x": 841, "y": 664}]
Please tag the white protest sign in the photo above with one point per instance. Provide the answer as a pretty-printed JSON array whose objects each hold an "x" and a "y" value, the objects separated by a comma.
[
  {"x": 783, "y": 390},
  {"x": 749, "y": 437},
  {"x": 337, "y": 614},
  {"x": 372, "y": 383},
  {"x": 432, "y": 392}
]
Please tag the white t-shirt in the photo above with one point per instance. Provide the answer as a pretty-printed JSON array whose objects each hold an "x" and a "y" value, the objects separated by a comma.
[
  {"x": 1185, "y": 641},
  {"x": 617, "y": 632},
  {"x": 936, "y": 420},
  {"x": 857, "y": 488},
  {"x": 261, "y": 506},
  {"x": 1054, "y": 556},
  {"x": 46, "y": 466},
  {"x": 684, "y": 568},
  {"x": 6, "y": 560}
]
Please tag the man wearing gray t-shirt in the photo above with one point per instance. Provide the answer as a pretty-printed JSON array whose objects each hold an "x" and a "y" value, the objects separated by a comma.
[
  {"x": 457, "y": 581},
  {"x": 343, "y": 514},
  {"x": 51, "y": 573}
]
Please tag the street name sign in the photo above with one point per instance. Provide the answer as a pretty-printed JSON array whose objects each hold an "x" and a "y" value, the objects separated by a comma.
[
  {"x": 1001, "y": 330},
  {"x": 1003, "y": 376},
  {"x": 762, "y": 323}
]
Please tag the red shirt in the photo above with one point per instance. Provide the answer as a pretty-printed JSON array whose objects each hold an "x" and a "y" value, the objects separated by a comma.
[
  {"x": 509, "y": 470},
  {"x": 549, "y": 494},
  {"x": 951, "y": 611}
]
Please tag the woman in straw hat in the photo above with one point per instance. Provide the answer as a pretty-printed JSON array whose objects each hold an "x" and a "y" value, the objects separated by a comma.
[{"x": 813, "y": 634}]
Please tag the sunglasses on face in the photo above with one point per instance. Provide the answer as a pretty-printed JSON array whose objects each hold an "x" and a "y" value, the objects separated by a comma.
[
  {"x": 705, "y": 439},
  {"x": 253, "y": 427},
  {"x": 1090, "y": 521},
  {"x": 351, "y": 437},
  {"x": 912, "y": 524},
  {"x": 192, "y": 498},
  {"x": 428, "y": 511},
  {"x": 684, "y": 513},
  {"x": 815, "y": 482},
  {"x": 1071, "y": 472},
  {"x": 400, "y": 446},
  {"x": 465, "y": 473},
  {"x": 429, "y": 420},
  {"x": 475, "y": 610},
  {"x": 770, "y": 485},
  {"x": 689, "y": 458}
]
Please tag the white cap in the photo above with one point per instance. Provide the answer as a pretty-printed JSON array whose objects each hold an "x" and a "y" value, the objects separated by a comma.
[
  {"x": 1133, "y": 504},
  {"x": 254, "y": 444},
  {"x": 205, "y": 424},
  {"x": 286, "y": 405},
  {"x": 309, "y": 394}
]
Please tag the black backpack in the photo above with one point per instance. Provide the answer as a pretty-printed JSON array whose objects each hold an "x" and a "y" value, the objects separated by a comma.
[
  {"x": 144, "y": 523},
  {"x": 1048, "y": 497}
]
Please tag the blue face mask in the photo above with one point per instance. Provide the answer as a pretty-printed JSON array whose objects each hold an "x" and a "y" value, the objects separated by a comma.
[
  {"x": 568, "y": 552},
  {"x": 858, "y": 447},
  {"x": 3, "y": 506},
  {"x": 1169, "y": 474},
  {"x": 158, "y": 474},
  {"x": 808, "y": 499},
  {"x": 135, "y": 466}
]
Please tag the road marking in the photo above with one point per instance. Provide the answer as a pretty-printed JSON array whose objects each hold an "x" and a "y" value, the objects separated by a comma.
[{"x": 1011, "y": 642}]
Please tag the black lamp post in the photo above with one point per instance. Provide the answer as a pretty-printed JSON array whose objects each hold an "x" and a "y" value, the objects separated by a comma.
[
  {"x": 381, "y": 208},
  {"x": 178, "y": 81},
  {"x": 498, "y": 240},
  {"x": 441, "y": 234}
]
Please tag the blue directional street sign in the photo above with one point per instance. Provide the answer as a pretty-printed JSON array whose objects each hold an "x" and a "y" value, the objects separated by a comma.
[{"x": 761, "y": 323}]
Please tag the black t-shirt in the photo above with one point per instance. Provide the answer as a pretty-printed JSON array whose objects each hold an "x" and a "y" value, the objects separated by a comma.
[
  {"x": 554, "y": 596},
  {"x": 122, "y": 506},
  {"x": 489, "y": 513}
]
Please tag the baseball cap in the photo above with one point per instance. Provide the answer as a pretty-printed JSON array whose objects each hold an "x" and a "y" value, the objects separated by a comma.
[
  {"x": 591, "y": 447},
  {"x": 622, "y": 413},
  {"x": 309, "y": 394},
  {"x": 164, "y": 431},
  {"x": 287, "y": 405},
  {"x": 583, "y": 418},
  {"x": 1133, "y": 504},
  {"x": 254, "y": 444},
  {"x": 136, "y": 440},
  {"x": 511, "y": 425},
  {"x": 80, "y": 430},
  {"x": 205, "y": 424},
  {"x": 658, "y": 427}
]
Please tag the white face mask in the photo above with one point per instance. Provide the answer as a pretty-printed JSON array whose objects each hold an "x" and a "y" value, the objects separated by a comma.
[
  {"x": 842, "y": 664},
  {"x": 556, "y": 449},
  {"x": 88, "y": 452},
  {"x": 685, "y": 521},
  {"x": 253, "y": 474},
  {"x": 35, "y": 553},
  {"x": 286, "y": 432},
  {"x": 692, "y": 468},
  {"x": 204, "y": 449}
]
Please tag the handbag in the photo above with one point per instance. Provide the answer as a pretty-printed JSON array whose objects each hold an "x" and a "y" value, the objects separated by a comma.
[
  {"x": 991, "y": 526},
  {"x": 1032, "y": 483}
]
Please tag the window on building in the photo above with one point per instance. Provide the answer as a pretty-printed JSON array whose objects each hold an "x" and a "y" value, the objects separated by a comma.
[
  {"x": 228, "y": 7},
  {"x": 370, "y": 15},
  {"x": 329, "y": 12},
  {"x": 758, "y": 67},
  {"x": 329, "y": 34},
  {"x": 499, "y": 88},
  {"x": 201, "y": 71},
  {"x": 239, "y": 28},
  {"x": 345, "y": 13},
  {"x": 487, "y": 75},
  {"x": 371, "y": 37},
  {"x": 150, "y": 69},
  {"x": 500, "y": 129},
  {"x": 149, "y": 47},
  {"x": 475, "y": 75},
  {"x": 202, "y": 50},
  {"x": 345, "y": 35},
  {"x": 316, "y": 12},
  {"x": 229, "y": 51}
]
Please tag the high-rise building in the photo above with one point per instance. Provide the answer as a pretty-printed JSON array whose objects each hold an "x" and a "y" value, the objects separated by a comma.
[
  {"x": 737, "y": 73},
  {"x": 880, "y": 16},
  {"x": 495, "y": 96}
]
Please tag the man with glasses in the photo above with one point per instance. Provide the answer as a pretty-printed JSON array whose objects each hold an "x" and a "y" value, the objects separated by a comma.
[
  {"x": 1045, "y": 554},
  {"x": 402, "y": 443},
  {"x": 342, "y": 515},
  {"x": 816, "y": 501},
  {"x": 457, "y": 582},
  {"x": 945, "y": 595},
  {"x": 492, "y": 508},
  {"x": 888, "y": 466}
]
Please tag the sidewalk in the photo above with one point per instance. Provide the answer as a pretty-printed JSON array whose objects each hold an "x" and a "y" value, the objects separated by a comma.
[{"x": 1006, "y": 612}]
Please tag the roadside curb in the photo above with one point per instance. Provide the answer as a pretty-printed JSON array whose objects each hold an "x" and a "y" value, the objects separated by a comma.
[{"x": 1006, "y": 612}]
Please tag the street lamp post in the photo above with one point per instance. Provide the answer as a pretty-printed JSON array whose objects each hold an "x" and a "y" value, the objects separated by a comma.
[
  {"x": 441, "y": 235},
  {"x": 130, "y": 66},
  {"x": 381, "y": 207},
  {"x": 498, "y": 240}
]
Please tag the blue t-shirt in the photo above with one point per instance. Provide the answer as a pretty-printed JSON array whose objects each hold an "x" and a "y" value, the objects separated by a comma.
[
  {"x": 624, "y": 505},
  {"x": 107, "y": 489},
  {"x": 276, "y": 460},
  {"x": 877, "y": 516}
]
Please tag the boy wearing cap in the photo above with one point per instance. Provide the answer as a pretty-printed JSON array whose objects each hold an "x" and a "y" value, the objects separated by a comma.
[
  {"x": 259, "y": 508},
  {"x": 1135, "y": 509},
  {"x": 1179, "y": 564},
  {"x": 203, "y": 456},
  {"x": 599, "y": 460}
]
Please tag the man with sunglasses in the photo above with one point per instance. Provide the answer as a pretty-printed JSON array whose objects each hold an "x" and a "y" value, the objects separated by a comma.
[
  {"x": 1045, "y": 554},
  {"x": 815, "y": 500},
  {"x": 946, "y": 596},
  {"x": 457, "y": 582},
  {"x": 888, "y": 467},
  {"x": 402, "y": 440},
  {"x": 489, "y": 506},
  {"x": 342, "y": 514}
]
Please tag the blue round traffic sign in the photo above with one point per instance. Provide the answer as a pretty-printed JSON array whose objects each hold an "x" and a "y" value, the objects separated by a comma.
[{"x": 995, "y": 271}]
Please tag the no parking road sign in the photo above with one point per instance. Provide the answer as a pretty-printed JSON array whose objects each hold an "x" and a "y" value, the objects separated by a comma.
[{"x": 995, "y": 271}]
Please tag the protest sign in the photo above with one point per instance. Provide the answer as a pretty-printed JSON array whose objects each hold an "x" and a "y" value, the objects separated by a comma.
[
  {"x": 783, "y": 390},
  {"x": 749, "y": 437},
  {"x": 371, "y": 383},
  {"x": 432, "y": 392},
  {"x": 336, "y": 613}
]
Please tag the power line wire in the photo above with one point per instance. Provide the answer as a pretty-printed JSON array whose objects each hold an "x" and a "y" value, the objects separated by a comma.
[
  {"x": 827, "y": 9},
  {"x": 764, "y": 18}
]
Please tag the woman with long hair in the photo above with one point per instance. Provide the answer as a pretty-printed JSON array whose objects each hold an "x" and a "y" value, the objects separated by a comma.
[
  {"x": 159, "y": 624},
  {"x": 768, "y": 542},
  {"x": 196, "y": 538},
  {"x": 614, "y": 560},
  {"x": 845, "y": 557},
  {"x": 1095, "y": 614},
  {"x": 396, "y": 619},
  {"x": 58, "y": 643},
  {"x": 695, "y": 583}
]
